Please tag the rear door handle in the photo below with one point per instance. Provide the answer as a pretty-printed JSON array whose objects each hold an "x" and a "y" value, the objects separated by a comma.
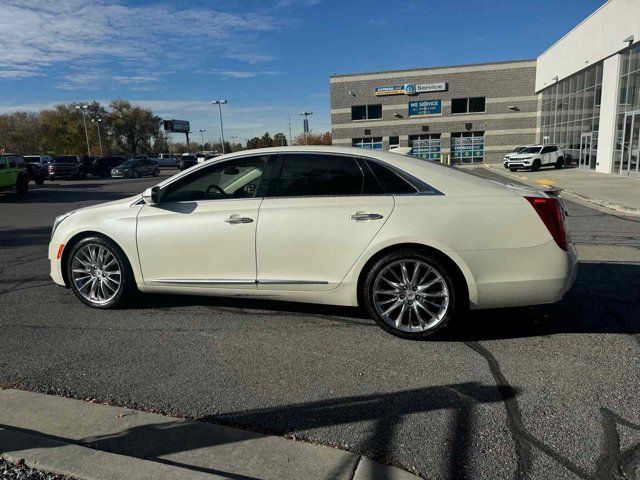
[
  {"x": 235, "y": 219},
  {"x": 366, "y": 216}
]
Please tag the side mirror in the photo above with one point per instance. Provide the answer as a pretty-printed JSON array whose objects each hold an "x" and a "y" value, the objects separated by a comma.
[{"x": 151, "y": 195}]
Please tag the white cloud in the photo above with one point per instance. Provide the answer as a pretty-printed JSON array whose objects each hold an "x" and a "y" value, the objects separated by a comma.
[
  {"x": 242, "y": 73},
  {"x": 76, "y": 34}
]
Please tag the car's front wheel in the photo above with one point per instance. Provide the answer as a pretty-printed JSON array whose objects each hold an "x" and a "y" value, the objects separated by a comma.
[
  {"x": 559, "y": 163},
  {"x": 99, "y": 273},
  {"x": 536, "y": 165},
  {"x": 410, "y": 295}
]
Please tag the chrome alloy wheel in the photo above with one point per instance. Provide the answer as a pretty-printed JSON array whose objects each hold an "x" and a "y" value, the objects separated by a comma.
[
  {"x": 96, "y": 273},
  {"x": 411, "y": 295}
]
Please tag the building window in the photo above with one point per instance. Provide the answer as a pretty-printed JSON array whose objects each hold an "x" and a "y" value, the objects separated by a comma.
[
  {"x": 394, "y": 142},
  {"x": 372, "y": 143},
  {"x": 467, "y": 147},
  {"x": 627, "y": 139},
  {"x": 425, "y": 146},
  {"x": 366, "y": 112},
  {"x": 570, "y": 115},
  {"x": 468, "y": 105}
]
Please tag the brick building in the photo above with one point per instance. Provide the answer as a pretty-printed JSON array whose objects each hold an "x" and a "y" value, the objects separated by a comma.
[{"x": 474, "y": 113}]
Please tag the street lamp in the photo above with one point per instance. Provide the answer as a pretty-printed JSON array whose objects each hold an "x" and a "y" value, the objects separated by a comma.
[
  {"x": 98, "y": 121},
  {"x": 220, "y": 103},
  {"x": 305, "y": 126},
  {"x": 202, "y": 130},
  {"x": 83, "y": 109}
]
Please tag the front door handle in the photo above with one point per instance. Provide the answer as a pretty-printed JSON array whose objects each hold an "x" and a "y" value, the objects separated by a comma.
[
  {"x": 235, "y": 219},
  {"x": 366, "y": 216}
]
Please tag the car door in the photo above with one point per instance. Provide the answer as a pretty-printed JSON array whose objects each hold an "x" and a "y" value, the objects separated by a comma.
[
  {"x": 202, "y": 232},
  {"x": 12, "y": 169},
  {"x": 5, "y": 180},
  {"x": 320, "y": 213}
]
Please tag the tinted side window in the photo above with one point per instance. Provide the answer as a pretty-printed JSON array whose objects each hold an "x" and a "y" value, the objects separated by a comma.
[
  {"x": 318, "y": 174},
  {"x": 231, "y": 179},
  {"x": 12, "y": 162},
  {"x": 3, "y": 163},
  {"x": 390, "y": 181},
  {"x": 547, "y": 150}
]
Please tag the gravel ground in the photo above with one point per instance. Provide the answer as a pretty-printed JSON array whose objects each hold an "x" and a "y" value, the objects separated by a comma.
[{"x": 12, "y": 471}]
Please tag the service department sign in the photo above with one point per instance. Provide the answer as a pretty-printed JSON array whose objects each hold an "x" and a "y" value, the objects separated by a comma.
[
  {"x": 410, "y": 89},
  {"x": 425, "y": 107}
]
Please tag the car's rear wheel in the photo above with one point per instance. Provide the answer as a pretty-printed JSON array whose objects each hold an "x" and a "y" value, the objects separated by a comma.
[
  {"x": 156, "y": 172},
  {"x": 559, "y": 163},
  {"x": 135, "y": 174},
  {"x": 99, "y": 273},
  {"x": 536, "y": 165},
  {"x": 411, "y": 295}
]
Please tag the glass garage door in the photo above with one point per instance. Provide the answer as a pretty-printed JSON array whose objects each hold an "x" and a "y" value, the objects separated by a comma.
[
  {"x": 428, "y": 149},
  {"x": 467, "y": 147}
]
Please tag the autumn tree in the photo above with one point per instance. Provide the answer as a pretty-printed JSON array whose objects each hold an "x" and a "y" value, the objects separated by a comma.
[
  {"x": 133, "y": 126},
  {"x": 313, "y": 139},
  {"x": 279, "y": 140}
]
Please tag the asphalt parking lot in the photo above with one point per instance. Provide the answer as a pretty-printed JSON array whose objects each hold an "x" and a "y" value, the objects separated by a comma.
[{"x": 537, "y": 393}]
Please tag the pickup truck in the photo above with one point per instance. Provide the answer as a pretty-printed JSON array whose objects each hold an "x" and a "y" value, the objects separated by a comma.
[{"x": 67, "y": 166}]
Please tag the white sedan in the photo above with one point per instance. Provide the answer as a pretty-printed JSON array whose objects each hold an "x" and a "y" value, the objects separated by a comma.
[{"x": 411, "y": 242}]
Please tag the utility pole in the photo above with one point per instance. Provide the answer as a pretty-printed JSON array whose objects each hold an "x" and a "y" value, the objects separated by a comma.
[
  {"x": 98, "y": 121},
  {"x": 290, "y": 139},
  {"x": 82, "y": 109},
  {"x": 305, "y": 126},
  {"x": 220, "y": 103},
  {"x": 201, "y": 130}
]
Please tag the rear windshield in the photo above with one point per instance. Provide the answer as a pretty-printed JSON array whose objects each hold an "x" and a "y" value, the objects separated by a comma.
[
  {"x": 65, "y": 159},
  {"x": 32, "y": 159}
]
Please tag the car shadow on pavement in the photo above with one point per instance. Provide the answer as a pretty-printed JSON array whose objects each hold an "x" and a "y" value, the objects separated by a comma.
[
  {"x": 604, "y": 299},
  {"x": 18, "y": 237},
  {"x": 161, "y": 441}
]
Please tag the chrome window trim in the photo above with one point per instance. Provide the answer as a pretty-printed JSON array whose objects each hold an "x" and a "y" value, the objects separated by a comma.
[{"x": 198, "y": 281}]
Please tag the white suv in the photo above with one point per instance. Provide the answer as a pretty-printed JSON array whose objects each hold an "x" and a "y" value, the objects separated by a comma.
[{"x": 534, "y": 157}]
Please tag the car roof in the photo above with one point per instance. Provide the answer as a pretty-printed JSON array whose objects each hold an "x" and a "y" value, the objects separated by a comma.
[{"x": 446, "y": 179}]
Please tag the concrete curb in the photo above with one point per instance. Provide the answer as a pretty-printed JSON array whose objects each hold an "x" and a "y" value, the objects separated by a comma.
[
  {"x": 94, "y": 442},
  {"x": 595, "y": 201}
]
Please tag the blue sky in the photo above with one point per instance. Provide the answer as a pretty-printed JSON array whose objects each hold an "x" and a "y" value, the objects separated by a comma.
[{"x": 268, "y": 59}]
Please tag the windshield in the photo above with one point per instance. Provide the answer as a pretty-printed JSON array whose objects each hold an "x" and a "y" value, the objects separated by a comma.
[
  {"x": 518, "y": 149},
  {"x": 188, "y": 157},
  {"x": 65, "y": 159},
  {"x": 128, "y": 163},
  {"x": 531, "y": 150}
]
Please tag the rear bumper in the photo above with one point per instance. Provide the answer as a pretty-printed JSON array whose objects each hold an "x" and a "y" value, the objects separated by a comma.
[{"x": 522, "y": 276}]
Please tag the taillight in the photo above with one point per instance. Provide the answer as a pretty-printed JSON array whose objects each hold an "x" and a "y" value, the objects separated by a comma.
[{"x": 550, "y": 212}]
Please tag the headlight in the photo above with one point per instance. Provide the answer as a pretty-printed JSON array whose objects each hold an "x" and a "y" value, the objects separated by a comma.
[{"x": 59, "y": 220}]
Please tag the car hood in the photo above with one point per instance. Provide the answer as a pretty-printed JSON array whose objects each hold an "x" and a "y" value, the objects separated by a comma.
[{"x": 522, "y": 156}]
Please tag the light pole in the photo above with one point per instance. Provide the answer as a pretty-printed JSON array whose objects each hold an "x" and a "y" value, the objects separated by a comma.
[
  {"x": 305, "y": 126},
  {"x": 202, "y": 130},
  {"x": 98, "y": 121},
  {"x": 83, "y": 109},
  {"x": 220, "y": 103}
]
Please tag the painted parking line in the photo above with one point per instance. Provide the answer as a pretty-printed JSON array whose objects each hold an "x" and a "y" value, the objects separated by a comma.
[{"x": 545, "y": 181}]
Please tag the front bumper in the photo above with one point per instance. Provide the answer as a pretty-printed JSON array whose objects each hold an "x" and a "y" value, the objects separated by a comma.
[{"x": 119, "y": 174}]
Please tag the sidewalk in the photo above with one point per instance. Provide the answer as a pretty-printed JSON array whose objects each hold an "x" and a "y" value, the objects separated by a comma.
[
  {"x": 94, "y": 442},
  {"x": 611, "y": 191}
]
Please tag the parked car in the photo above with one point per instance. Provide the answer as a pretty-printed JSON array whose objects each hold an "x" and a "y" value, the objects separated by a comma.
[
  {"x": 41, "y": 159},
  {"x": 413, "y": 243},
  {"x": 534, "y": 157},
  {"x": 515, "y": 152},
  {"x": 67, "y": 166},
  {"x": 13, "y": 173},
  {"x": 102, "y": 166},
  {"x": 37, "y": 170},
  {"x": 167, "y": 160},
  {"x": 185, "y": 161},
  {"x": 135, "y": 168}
]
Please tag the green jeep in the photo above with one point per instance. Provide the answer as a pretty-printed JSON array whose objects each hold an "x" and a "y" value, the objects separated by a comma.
[{"x": 13, "y": 173}]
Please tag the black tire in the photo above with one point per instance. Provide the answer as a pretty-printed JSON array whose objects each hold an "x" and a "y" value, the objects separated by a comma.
[
  {"x": 367, "y": 301},
  {"x": 181, "y": 166},
  {"x": 156, "y": 172},
  {"x": 127, "y": 285},
  {"x": 513, "y": 169},
  {"x": 135, "y": 174},
  {"x": 559, "y": 163},
  {"x": 22, "y": 185},
  {"x": 536, "y": 165}
]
